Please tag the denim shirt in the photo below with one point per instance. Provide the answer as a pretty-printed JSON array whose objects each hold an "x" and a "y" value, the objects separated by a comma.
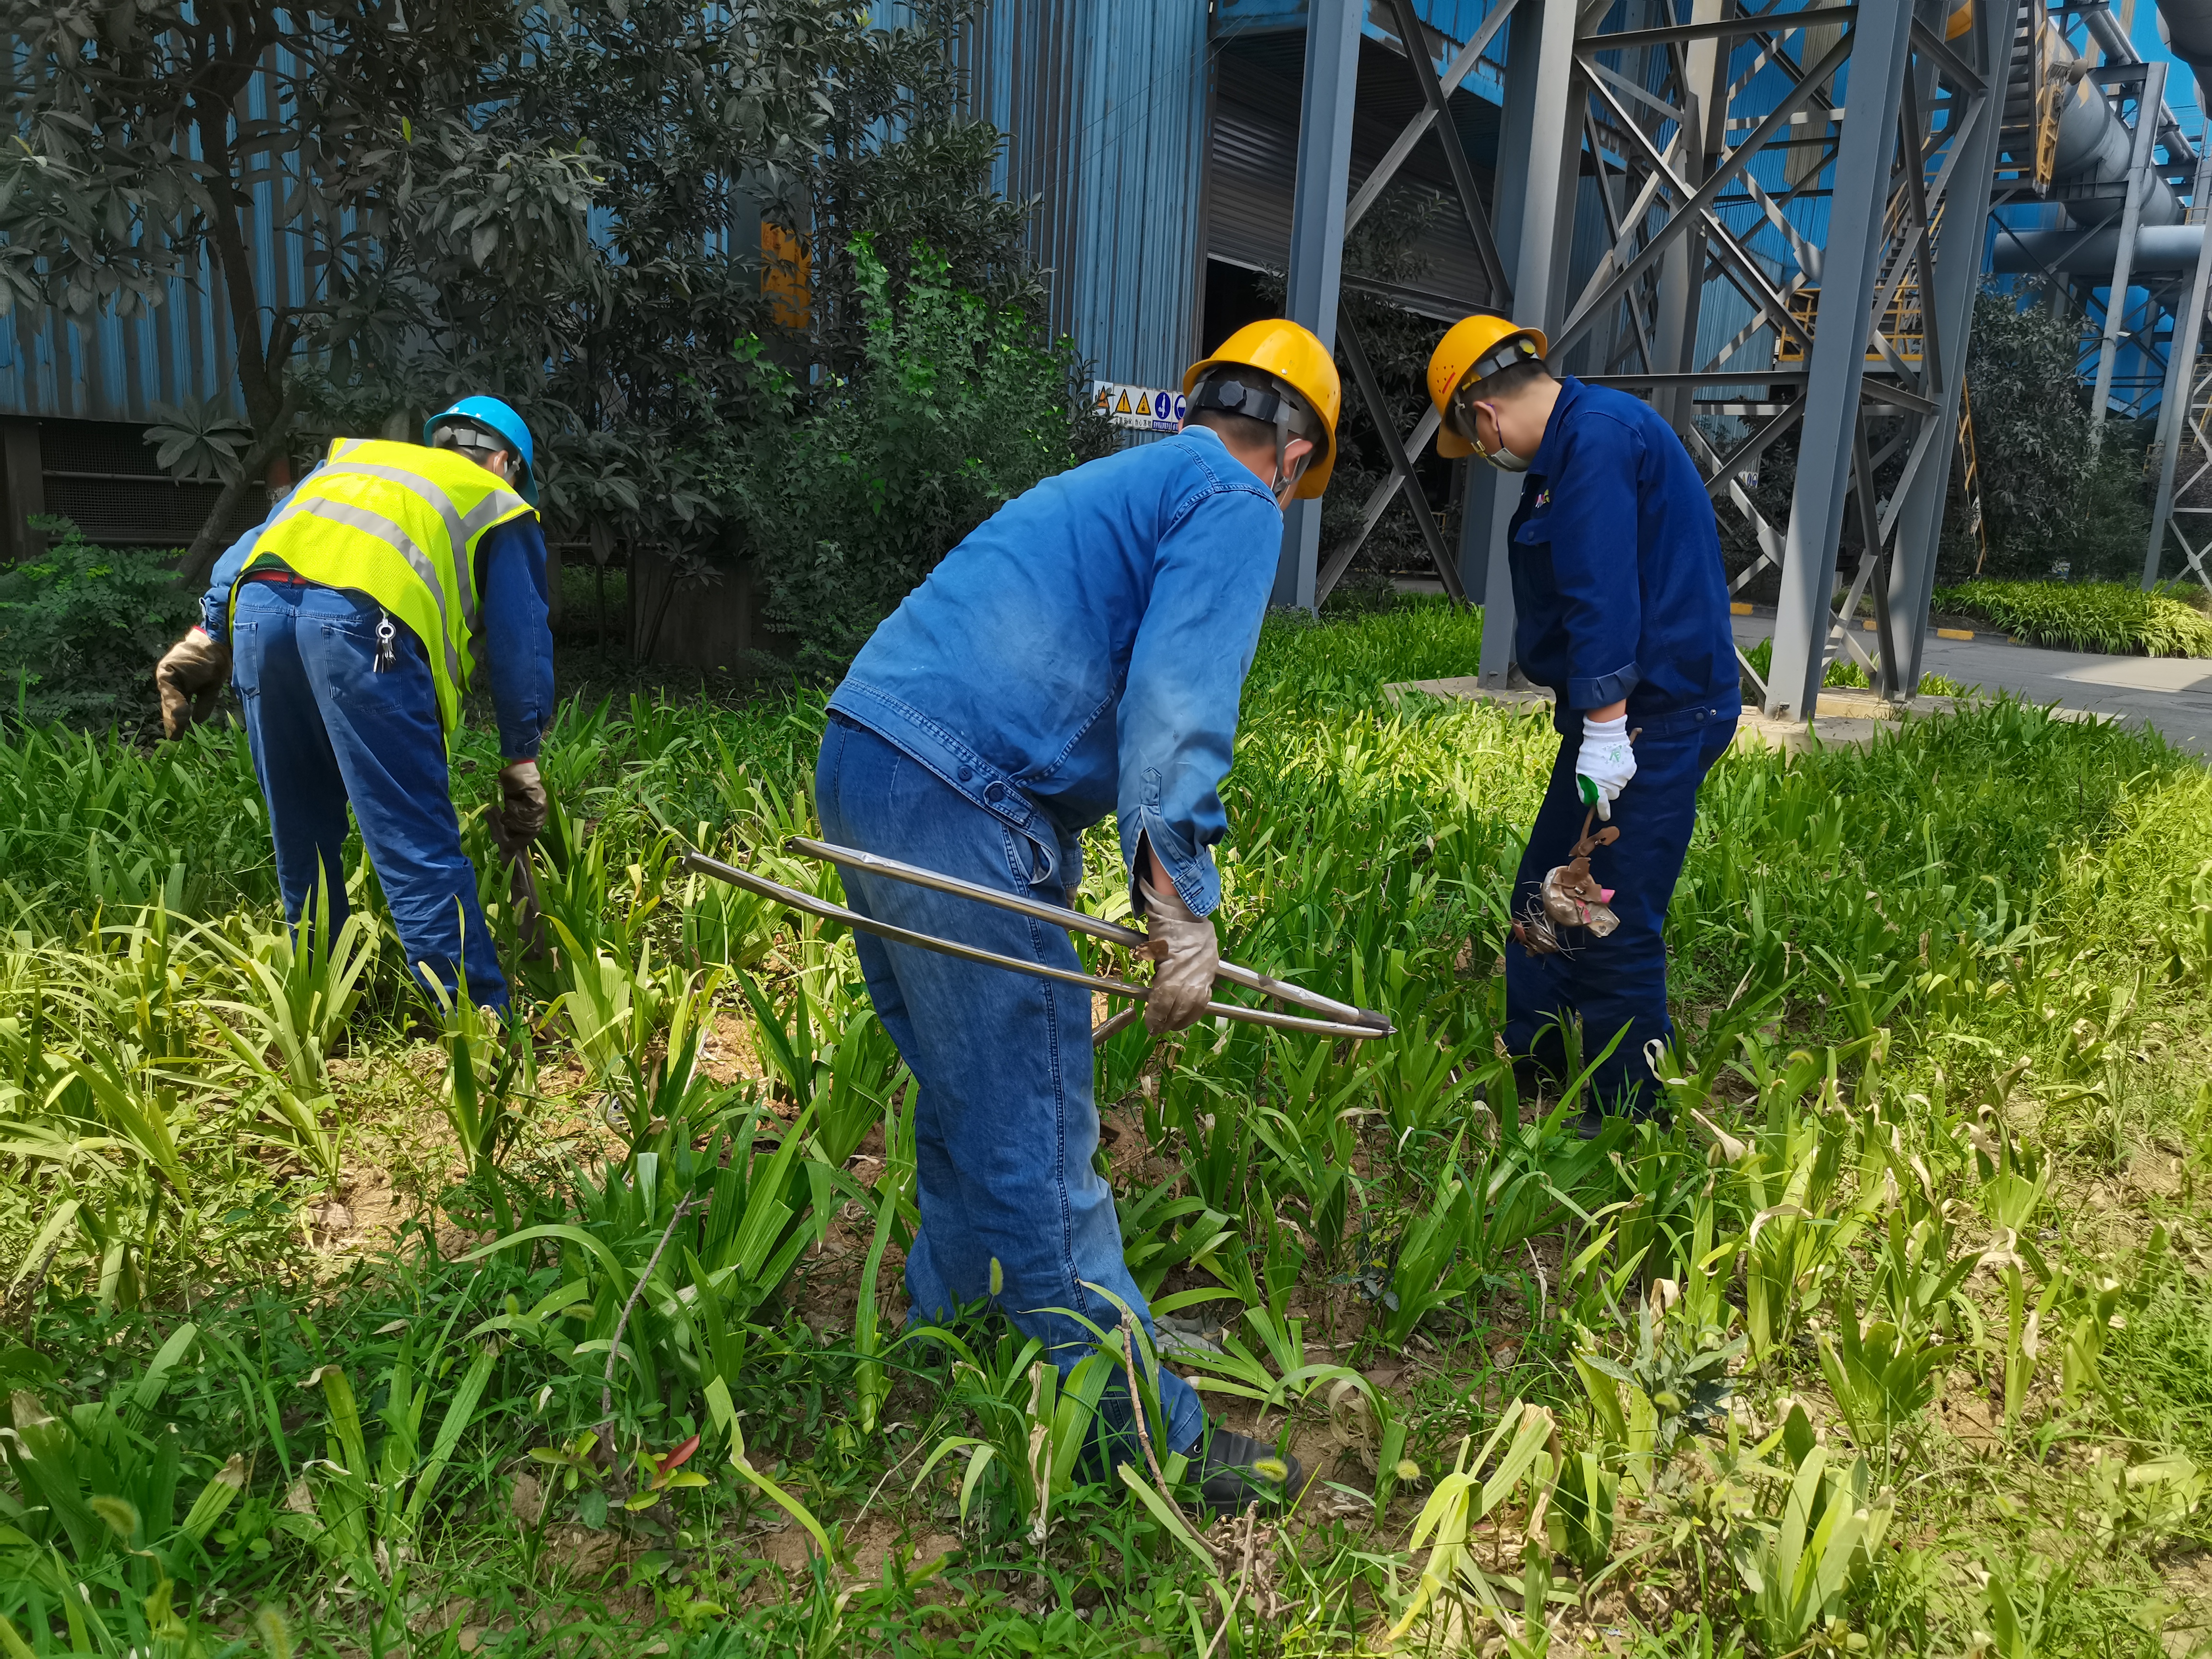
[
  {"x": 1617, "y": 587},
  {"x": 1083, "y": 651},
  {"x": 515, "y": 643}
]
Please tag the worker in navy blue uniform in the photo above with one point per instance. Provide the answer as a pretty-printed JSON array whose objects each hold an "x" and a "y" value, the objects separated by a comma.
[
  {"x": 1080, "y": 653},
  {"x": 348, "y": 623},
  {"x": 1621, "y": 610}
]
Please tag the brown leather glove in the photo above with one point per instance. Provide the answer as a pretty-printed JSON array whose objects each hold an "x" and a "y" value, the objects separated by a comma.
[
  {"x": 190, "y": 678},
  {"x": 1185, "y": 954},
  {"x": 521, "y": 803}
]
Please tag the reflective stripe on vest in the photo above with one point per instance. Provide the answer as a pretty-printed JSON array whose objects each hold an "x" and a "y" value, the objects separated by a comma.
[{"x": 400, "y": 524}]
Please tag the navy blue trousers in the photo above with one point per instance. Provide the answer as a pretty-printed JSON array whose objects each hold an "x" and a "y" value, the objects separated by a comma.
[
  {"x": 325, "y": 730},
  {"x": 1618, "y": 983}
]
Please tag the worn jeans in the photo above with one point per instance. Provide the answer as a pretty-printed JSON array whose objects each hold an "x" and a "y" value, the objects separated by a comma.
[
  {"x": 1618, "y": 983},
  {"x": 1005, "y": 1125},
  {"x": 326, "y": 730}
]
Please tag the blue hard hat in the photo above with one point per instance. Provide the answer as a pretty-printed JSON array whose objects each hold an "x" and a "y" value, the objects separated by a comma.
[{"x": 495, "y": 415}]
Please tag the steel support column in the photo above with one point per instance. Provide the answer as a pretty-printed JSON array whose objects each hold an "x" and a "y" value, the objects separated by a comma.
[
  {"x": 1539, "y": 163},
  {"x": 2150, "y": 100},
  {"x": 1331, "y": 79},
  {"x": 2181, "y": 372},
  {"x": 1957, "y": 268},
  {"x": 1829, "y": 436}
]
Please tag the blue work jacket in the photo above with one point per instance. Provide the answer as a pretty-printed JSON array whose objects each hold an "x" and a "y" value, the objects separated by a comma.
[
  {"x": 514, "y": 647},
  {"x": 1617, "y": 587},
  {"x": 1083, "y": 651}
]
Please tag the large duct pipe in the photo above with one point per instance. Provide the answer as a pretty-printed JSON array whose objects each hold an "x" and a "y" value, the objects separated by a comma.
[
  {"x": 2159, "y": 248},
  {"x": 2092, "y": 149},
  {"x": 2185, "y": 26}
]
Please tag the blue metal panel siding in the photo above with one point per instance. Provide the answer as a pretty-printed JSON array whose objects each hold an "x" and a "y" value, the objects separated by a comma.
[
  {"x": 106, "y": 367},
  {"x": 1103, "y": 105},
  {"x": 1140, "y": 171}
]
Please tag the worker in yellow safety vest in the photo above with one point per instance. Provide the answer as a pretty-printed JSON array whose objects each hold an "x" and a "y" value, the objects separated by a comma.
[{"x": 350, "y": 623}]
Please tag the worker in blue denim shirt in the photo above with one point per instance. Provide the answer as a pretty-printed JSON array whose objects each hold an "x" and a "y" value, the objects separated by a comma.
[
  {"x": 1081, "y": 652},
  {"x": 349, "y": 622},
  {"x": 1621, "y": 609}
]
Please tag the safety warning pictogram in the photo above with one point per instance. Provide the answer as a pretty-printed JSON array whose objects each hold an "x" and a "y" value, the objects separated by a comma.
[{"x": 1140, "y": 407}]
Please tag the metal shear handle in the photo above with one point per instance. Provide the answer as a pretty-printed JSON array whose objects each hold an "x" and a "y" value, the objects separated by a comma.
[
  {"x": 1076, "y": 921},
  {"x": 808, "y": 904}
]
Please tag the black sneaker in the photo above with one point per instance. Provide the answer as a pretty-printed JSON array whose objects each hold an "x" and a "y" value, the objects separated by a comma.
[{"x": 1234, "y": 1470}]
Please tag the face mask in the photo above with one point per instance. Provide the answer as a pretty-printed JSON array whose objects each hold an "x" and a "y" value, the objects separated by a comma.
[{"x": 1501, "y": 458}]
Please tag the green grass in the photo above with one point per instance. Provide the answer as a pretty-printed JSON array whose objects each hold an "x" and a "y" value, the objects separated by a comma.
[
  {"x": 2109, "y": 616},
  {"x": 1865, "y": 945},
  {"x": 1845, "y": 672}
]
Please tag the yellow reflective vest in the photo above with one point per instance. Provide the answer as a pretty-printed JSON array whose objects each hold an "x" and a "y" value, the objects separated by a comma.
[{"x": 400, "y": 523}]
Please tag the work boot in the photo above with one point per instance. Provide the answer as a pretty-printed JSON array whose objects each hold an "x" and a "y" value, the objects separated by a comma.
[{"x": 1232, "y": 1471}]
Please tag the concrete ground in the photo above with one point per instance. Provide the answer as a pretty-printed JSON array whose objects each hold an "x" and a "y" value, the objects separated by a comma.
[{"x": 2173, "y": 694}]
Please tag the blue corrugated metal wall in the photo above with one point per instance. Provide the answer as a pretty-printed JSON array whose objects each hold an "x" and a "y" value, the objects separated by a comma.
[
  {"x": 104, "y": 367},
  {"x": 1104, "y": 104}
]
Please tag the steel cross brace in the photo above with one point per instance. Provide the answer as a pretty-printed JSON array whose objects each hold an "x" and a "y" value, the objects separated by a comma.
[
  {"x": 1694, "y": 204},
  {"x": 1434, "y": 97},
  {"x": 1401, "y": 478},
  {"x": 1461, "y": 65}
]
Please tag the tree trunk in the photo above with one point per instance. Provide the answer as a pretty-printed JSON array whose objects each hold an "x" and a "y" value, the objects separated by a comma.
[{"x": 208, "y": 546}]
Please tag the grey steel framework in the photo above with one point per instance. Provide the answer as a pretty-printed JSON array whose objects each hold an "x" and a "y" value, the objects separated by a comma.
[
  {"x": 1666, "y": 116},
  {"x": 1869, "y": 327},
  {"x": 1321, "y": 219},
  {"x": 2183, "y": 515},
  {"x": 1900, "y": 119}
]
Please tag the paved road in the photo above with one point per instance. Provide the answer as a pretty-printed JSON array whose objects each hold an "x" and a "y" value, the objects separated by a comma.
[{"x": 2173, "y": 694}]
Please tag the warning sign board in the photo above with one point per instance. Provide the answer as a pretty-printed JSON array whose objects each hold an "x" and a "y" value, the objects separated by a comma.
[{"x": 1141, "y": 408}]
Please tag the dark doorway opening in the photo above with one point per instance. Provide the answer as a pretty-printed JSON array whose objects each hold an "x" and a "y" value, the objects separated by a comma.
[{"x": 1235, "y": 295}]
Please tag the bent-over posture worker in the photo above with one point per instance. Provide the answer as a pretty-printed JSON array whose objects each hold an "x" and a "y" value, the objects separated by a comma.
[
  {"x": 1621, "y": 609},
  {"x": 350, "y": 623},
  {"x": 1081, "y": 652}
]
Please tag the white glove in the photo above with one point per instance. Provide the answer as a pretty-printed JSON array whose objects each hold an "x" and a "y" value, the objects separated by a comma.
[
  {"x": 1606, "y": 764},
  {"x": 1185, "y": 953}
]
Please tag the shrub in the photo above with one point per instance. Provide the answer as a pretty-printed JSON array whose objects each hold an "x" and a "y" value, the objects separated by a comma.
[
  {"x": 2087, "y": 616},
  {"x": 2051, "y": 490},
  {"x": 82, "y": 628},
  {"x": 848, "y": 498}
]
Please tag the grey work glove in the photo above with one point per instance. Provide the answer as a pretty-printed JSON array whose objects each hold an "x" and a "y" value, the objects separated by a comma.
[
  {"x": 521, "y": 803},
  {"x": 190, "y": 678},
  {"x": 1185, "y": 955}
]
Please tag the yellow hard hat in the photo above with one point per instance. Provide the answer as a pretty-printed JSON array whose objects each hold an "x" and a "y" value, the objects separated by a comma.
[
  {"x": 1474, "y": 348},
  {"x": 1282, "y": 351}
]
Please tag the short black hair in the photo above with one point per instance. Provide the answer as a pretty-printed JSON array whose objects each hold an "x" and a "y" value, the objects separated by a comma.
[
  {"x": 1240, "y": 429},
  {"x": 1509, "y": 380}
]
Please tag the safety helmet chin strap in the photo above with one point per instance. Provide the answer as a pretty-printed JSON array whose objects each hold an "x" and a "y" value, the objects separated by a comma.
[{"x": 1259, "y": 396}]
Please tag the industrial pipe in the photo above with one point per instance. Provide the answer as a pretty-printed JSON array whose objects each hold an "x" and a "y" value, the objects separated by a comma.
[
  {"x": 2185, "y": 26},
  {"x": 2093, "y": 148},
  {"x": 2167, "y": 248}
]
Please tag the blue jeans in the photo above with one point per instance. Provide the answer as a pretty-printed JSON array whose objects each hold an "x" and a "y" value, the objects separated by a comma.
[
  {"x": 1619, "y": 981},
  {"x": 1005, "y": 1125},
  {"x": 326, "y": 730}
]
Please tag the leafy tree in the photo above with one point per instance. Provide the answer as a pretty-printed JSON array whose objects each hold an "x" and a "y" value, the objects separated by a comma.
[
  {"x": 847, "y": 496},
  {"x": 139, "y": 158},
  {"x": 557, "y": 202},
  {"x": 2050, "y": 491}
]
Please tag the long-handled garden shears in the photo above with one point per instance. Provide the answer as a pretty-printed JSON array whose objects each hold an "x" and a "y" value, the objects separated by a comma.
[{"x": 1343, "y": 1019}]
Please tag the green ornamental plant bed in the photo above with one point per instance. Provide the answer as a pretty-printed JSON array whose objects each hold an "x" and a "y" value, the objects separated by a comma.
[
  {"x": 2088, "y": 616},
  {"x": 332, "y": 1325}
]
